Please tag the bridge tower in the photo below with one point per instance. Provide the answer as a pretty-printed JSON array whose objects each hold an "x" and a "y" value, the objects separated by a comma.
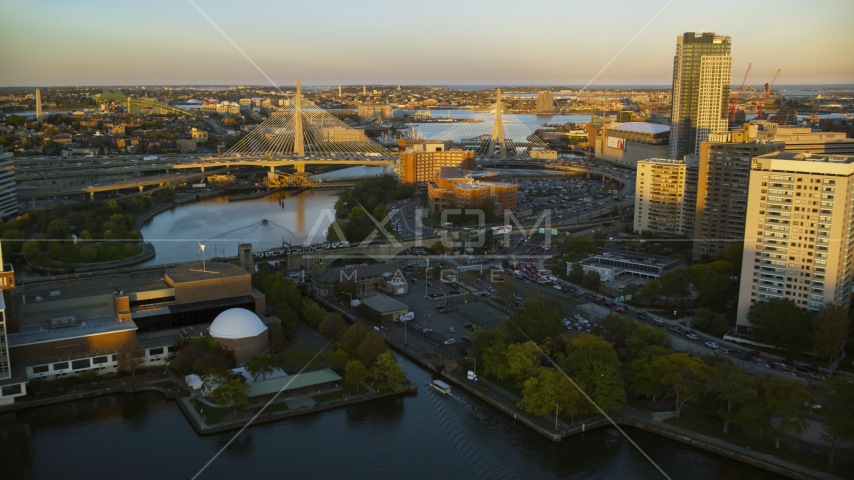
[
  {"x": 299, "y": 146},
  {"x": 498, "y": 132}
]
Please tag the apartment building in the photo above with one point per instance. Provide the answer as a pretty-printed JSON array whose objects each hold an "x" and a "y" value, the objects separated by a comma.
[
  {"x": 799, "y": 232},
  {"x": 419, "y": 163},
  {"x": 663, "y": 200},
  {"x": 723, "y": 173},
  {"x": 545, "y": 102},
  {"x": 702, "y": 73},
  {"x": 805, "y": 140}
]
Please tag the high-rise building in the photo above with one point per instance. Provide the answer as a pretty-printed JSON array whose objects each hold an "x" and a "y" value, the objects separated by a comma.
[
  {"x": 724, "y": 169},
  {"x": 663, "y": 201},
  {"x": 38, "y": 105},
  {"x": 8, "y": 189},
  {"x": 702, "y": 72},
  {"x": 799, "y": 232},
  {"x": 545, "y": 102},
  {"x": 419, "y": 163}
]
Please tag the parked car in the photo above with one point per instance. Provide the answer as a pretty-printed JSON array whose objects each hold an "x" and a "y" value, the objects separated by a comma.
[
  {"x": 449, "y": 341},
  {"x": 427, "y": 330},
  {"x": 451, "y": 329}
]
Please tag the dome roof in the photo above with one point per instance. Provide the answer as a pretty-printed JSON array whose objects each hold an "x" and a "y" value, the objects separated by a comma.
[{"x": 237, "y": 323}]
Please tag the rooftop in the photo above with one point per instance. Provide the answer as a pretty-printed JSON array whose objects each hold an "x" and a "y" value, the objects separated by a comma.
[
  {"x": 83, "y": 285},
  {"x": 292, "y": 382},
  {"x": 192, "y": 272},
  {"x": 383, "y": 304},
  {"x": 91, "y": 326},
  {"x": 642, "y": 127},
  {"x": 333, "y": 275}
]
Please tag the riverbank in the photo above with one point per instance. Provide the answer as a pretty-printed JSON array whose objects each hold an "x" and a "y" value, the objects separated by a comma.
[{"x": 628, "y": 416}]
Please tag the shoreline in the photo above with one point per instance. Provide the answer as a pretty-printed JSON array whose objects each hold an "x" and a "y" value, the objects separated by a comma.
[{"x": 628, "y": 416}]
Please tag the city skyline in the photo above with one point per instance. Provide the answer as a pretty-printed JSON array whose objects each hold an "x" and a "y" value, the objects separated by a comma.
[{"x": 334, "y": 42}]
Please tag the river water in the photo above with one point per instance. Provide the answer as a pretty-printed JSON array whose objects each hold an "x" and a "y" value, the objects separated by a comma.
[{"x": 424, "y": 436}]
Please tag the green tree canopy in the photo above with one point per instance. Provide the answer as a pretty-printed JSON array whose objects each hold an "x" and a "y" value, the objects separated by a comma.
[
  {"x": 387, "y": 373},
  {"x": 547, "y": 391},
  {"x": 594, "y": 363},
  {"x": 682, "y": 377},
  {"x": 355, "y": 373},
  {"x": 781, "y": 323},
  {"x": 234, "y": 393},
  {"x": 262, "y": 365},
  {"x": 535, "y": 321},
  {"x": 732, "y": 386},
  {"x": 831, "y": 330},
  {"x": 837, "y": 397}
]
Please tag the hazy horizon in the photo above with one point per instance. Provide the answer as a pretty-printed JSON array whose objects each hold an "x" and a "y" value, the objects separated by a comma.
[{"x": 543, "y": 43}]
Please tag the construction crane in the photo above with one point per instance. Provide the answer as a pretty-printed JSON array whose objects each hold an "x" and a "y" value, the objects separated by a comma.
[
  {"x": 733, "y": 103},
  {"x": 765, "y": 95}
]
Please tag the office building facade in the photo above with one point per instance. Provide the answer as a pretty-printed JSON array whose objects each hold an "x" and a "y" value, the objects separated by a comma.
[
  {"x": 702, "y": 72},
  {"x": 799, "y": 232},
  {"x": 625, "y": 144},
  {"x": 453, "y": 186}
]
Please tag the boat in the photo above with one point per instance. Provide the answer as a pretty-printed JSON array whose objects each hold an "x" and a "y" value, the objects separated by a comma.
[{"x": 441, "y": 386}]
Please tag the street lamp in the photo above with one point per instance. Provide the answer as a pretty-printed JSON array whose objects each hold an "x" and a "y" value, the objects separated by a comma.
[
  {"x": 556, "y": 409},
  {"x": 475, "y": 364}
]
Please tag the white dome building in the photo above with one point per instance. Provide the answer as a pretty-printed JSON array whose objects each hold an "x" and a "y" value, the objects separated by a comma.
[{"x": 241, "y": 331}]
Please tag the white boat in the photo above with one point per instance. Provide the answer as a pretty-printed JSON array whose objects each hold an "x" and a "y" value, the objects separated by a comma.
[{"x": 441, "y": 386}]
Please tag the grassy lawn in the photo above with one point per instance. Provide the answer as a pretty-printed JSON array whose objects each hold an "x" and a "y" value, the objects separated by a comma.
[
  {"x": 172, "y": 387},
  {"x": 328, "y": 397},
  {"x": 110, "y": 252},
  {"x": 210, "y": 415}
]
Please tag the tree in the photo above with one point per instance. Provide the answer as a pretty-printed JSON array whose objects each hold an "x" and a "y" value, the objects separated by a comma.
[
  {"x": 535, "y": 321},
  {"x": 576, "y": 274},
  {"x": 644, "y": 379},
  {"x": 783, "y": 401},
  {"x": 352, "y": 338},
  {"x": 732, "y": 387},
  {"x": 130, "y": 357},
  {"x": 651, "y": 289},
  {"x": 262, "y": 365},
  {"x": 831, "y": 330},
  {"x": 372, "y": 346},
  {"x": 522, "y": 358},
  {"x": 312, "y": 312},
  {"x": 733, "y": 254},
  {"x": 386, "y": 371},
  {"x": 645, "y": 337},
  {"x": 781, "y": 323},
  {"x": 591, "y": 280},
  {"x": 681, "y": 377},
  {"x": 616, "y": 329},
  {"x": 673, "y": 284},
  {"x": 58, "y": 229},
  {"x": 333, "y": 325},
  {"x": 31, "y": 251},
  {"x": 355, "y": 373},
  {"x": 277, "y": 338},
  {"x": 548, "y": 391},
  {"x": 494, "y": 358},
  {"x": 234, "y": 393},
  {"x": 837, "y": 396},
  {"x": 594, "y": 363}
]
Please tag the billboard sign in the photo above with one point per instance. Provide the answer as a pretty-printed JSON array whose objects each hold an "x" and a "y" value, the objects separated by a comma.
[{"x": 614, "y": 142}]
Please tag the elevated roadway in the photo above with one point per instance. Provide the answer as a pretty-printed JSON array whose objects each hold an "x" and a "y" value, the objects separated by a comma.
[{"x": 298, "y": 163}]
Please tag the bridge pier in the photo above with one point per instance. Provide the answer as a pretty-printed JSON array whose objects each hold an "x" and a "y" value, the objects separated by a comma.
[
  {"x": 385, "y": 170},
  {"x": 91, "y": 196},
  {"x": 140, "y": 188},
  {"x": 299, "y": 167},
  {"x": 272, "y": 169}
]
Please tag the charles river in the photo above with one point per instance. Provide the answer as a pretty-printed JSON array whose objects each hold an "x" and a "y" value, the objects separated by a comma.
[{"x": 427, "y": 435}]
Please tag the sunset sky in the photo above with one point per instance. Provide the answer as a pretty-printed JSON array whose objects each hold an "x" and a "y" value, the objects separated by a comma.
[{"x": 329, "y": 42}]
